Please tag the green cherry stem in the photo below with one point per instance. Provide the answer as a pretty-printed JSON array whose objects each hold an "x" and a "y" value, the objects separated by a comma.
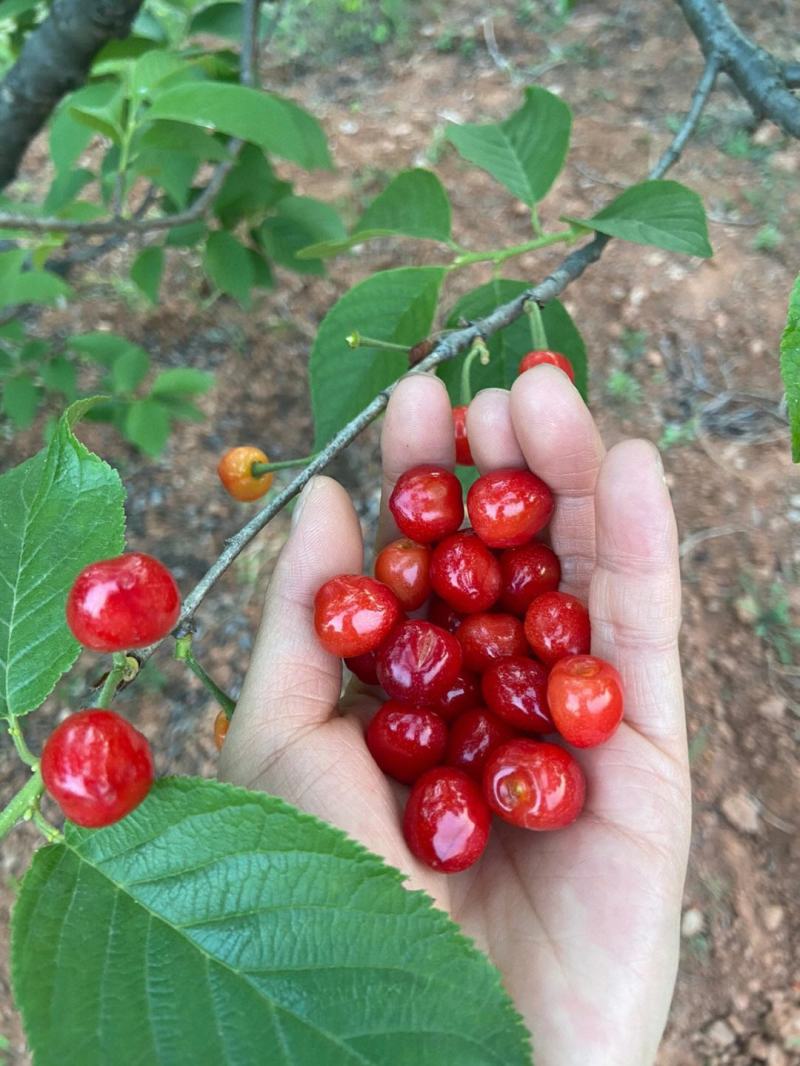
[
  {"x": 184, "y": 653},
  {"x": 116, "y": 676},
  {"x": 477, "y": 351},
  {"x": 21, "y": 804},
  {"x": 23, "y": 750},
  {"x": 48, "y": 831},
  {"x": 538, "y": 335},
  {"x": 259, "y": 469},
  {"x": 357, "y": 340}
]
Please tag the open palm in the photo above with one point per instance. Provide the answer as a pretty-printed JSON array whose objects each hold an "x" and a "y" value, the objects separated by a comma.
[{"x": 582, "y": 923}]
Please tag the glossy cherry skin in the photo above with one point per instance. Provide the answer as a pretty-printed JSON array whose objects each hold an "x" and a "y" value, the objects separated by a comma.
[
  {"x": 544, "y": 356},
  {"x": 426, "y": 503},
  {"x": 485, "y": 638},
  {"x": 527, "y": 572},
  {"x": 516, "y": 690},
  {"x": 464, "y": 573},
  {"x": 126, "y": 602},
  {"x": 442, "y": 614},
  {"x": 463, "y": 695},
  {"x": 354, "y": 614},
  {"x": 473, "y": 737},
  {"x": 97, "y": 767},
  {"x": 508, "y": 507},
  {"x": 235, "y": 470},
  {"x": 463, "y": 453},
  {"x": 534, "y": 785},
  {"x": 403, "y": 567},
  {"x": 557, "y": 624},
  {"x": 585, "y": 697},
  {"x": 365, "y": 667},
  {"x": 221, "y": 726},
  {"x": 446, "y": 820},
  {"x": 418, "y": 662},
  {"x": 406, "y": 741}
]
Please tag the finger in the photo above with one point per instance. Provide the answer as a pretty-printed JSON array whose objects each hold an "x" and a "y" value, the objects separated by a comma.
[
  {"x": 491, "y": 435},
  {"x": 418, "y": 428},
  {"x": 561, "y": 444},
  {"x": 635, "y": 597},
  {"x": 293, "y": 684}
]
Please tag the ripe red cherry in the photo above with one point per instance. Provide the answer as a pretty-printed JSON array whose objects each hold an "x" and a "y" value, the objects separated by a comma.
[
  {"x": 365, "y": 667},
  {"x": 485, "y": 638},
  {"x": 442, "y": 614},
  {"x": 508, "y": 507},
  {"x": 463, "y": 695},
  {"x": 446, "y": 820},
  {"x": 534, "y": 785},
  {"x": 403, "y": 567},
  {"x": 426, "y": 503},
  {"x": 418, "y": 662},
  {"x": 516, "y": 690},
  {"x": 557, "y": 624},
  {"x": 544, "y": 356},
  {"x": 97, "y": 767},
  {"x": 463, "y": 453},
  {"x": 406, "y": 741},
  {"x": 527, "y": 572},
  {"x": 473, "y": 737},
  {"x": 585, "y": 697},
  {"x": 354, "y": 614},
  {"x": 464, "y": 573},
  {"x": 126, "y": 602}
]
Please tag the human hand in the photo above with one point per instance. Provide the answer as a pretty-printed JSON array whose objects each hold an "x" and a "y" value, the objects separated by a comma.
[{"x": 583, "y": 923}]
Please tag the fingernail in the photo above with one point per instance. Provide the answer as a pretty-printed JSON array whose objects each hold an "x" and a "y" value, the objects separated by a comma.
[{"x": 302, "y": 500}]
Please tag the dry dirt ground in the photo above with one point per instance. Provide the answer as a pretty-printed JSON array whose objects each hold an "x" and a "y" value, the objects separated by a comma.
[{"x": 681, "y": 351}]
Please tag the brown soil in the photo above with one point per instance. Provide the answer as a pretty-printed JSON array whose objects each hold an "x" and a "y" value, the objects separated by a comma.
[{"x": 699, "y": 339}]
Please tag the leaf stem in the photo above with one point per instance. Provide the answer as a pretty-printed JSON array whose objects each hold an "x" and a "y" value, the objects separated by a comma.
[
  {"x": 477, "y": 351},
  {"x": 259, "y": 469},
  {"x": 115, "y": 677},
  {"x": 21, "y": 804},
  {"x": 501, "y": 254},
  {"x": 184, "y": 653},
  {"x": 538, "y": 334},
  {"x": 23, "y": 750}
]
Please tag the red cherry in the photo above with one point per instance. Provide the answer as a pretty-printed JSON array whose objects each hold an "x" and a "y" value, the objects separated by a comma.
[
  {"x": 585, "y": 697},
  {"x": 403, "y": 567},
  {"x": 557, "y": 624},
  {"x": 527, "y": 572},
  {"x": 516, "y": 690},
  {"x": 418, "y": 662},
  {"x": 97, "y": 767},
  {"x": 544, "y": 356},
  {"x": 464, "y": 573},
  {"x": 406, "y": 741},
  {"x": 534, "y": 785},
  {"x": 463, "y": 453},
  {"x": 426, "y": 503},
  {"x": 354, "y": 614},
  {"x": 485, "y": 638},
  {"x": 508, "y": 507},
  {"x": 463, "y": 695},
  {"x": 473, "y": 737},
  {"x": 446, "y": 820},
  {"x": 442, "y": 614},
  {"x": 365, "y": 667},
  {"x": 126, "y": 602}
]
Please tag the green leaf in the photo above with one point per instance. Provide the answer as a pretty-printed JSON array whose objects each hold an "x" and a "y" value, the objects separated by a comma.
[
  {"x": 298, "y": 222},
  {"x": 34, "y": 287},
  {"x": 187, "y": 236},
  {"x": 250, "y": 188},
  {"x": 59, "y": 511},
  {"x": 151, "y": 69},
  {"x": 394, "y": 305},
  {"x": 228, "y": 266},
  {"x": 414, "y": 204},
  {"x": 215, "y": 925},
  {"x": 509, "y": 345},
  {"x": 224, "y": 20},
  {"x": 66, "y": 185},
  {"x": 790, "y": 367},
  {"x": 183, "y": 381},
  {"x": 147, "y": 426},
  {"x": 662, "y": 213},
  {"x": 171, "y": 170},
  {"x": 21, "y": 400},
  {"x": 68, "y": 137},
  {"x": 146, "y": 271},
  {"x": 10, "y": 9},
  {"x": 273, "y": 123},
  {"x": 99, "y": 346},
  {"x": 105, "y": 119},
  {"x": 527, "y": 151},
  {"x": 188, "y": 140},
  {"x": 129, "y": 369},
  {"x": 59, "y": 375}
]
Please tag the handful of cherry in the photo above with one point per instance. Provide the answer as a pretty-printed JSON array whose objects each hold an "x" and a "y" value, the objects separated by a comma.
[{"x": 499, "y": 661}]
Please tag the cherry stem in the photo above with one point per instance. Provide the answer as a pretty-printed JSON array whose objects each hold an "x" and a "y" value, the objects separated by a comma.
[
  {"x": 48, "y": 831},
  {"x": 260, "y": 469},
  {"x": 21, "y": 804},
  {"x": 115, "y": 677},
  {"x": 356, "y": 340},
  {"x": 184, "y": 653},
  {"x": 538, "y": 334},
  {"x": 23, "y": 750},
  {"x": 477, "y": 351}
]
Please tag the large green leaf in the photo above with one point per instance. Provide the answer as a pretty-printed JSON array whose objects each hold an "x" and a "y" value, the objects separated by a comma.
[
  {"x": 394, "y": 305},
  {"x": 663, "y": 213},
  {"x": 33, "y": 286},
  {"x": 527, "y": 151},
  {"x": 228, "y": 266},
  {"x": 509, "y": 345},
  {"x": 20, "y": 400},
  {"x": 250, "y": 188},
  {"x": 215, "y": 925},
  {"x": 414, "y": 204},
  {"x": 270, "y": 121},
  {"x": 59, "y": 511},
  {"x": 790, "y": 367},
  {"x": 297, "y": 221},
  {"x": 68, "y": 137},
  {"x": 147, "y": 269}
]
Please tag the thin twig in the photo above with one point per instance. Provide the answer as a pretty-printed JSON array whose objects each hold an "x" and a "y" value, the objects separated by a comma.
[{"x": 689, "y": 124}]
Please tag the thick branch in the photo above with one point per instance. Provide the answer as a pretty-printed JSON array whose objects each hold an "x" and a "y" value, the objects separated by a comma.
[
  {"x": 791, "y": 75},
  {"x": 55, "y": 59},
  {"x": 758, "y": 76}
]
